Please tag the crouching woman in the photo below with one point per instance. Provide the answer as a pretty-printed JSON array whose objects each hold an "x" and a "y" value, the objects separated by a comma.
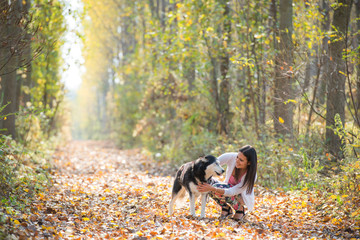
[{"x": 238, "y": 189}]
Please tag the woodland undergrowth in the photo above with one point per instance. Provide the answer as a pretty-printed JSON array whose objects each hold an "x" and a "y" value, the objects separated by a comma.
[{"x": 97, "y": 191}]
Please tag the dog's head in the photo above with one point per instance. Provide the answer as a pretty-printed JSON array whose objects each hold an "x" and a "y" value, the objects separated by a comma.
[{"x": 211, "y": 166}]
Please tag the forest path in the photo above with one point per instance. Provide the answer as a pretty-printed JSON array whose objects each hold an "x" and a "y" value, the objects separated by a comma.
[{"x": 100, "y": 192}]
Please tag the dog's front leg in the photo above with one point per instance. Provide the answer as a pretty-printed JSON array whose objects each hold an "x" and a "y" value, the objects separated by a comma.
[{"x": 203, "y": 205}]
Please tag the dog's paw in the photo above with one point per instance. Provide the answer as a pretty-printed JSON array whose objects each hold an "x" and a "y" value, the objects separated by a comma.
[{"x": 191, "y": 217}]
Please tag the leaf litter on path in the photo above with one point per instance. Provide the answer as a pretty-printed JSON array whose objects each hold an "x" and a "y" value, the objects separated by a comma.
[{"x": 100, "y": 192}]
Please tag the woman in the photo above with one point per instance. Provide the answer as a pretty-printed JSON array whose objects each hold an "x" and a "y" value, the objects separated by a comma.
[{"x": 238, "y": 189}]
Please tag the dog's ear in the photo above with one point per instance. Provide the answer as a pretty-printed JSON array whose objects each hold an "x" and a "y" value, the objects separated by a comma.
[
  {"x": 210, "y": 158},
  {"x": 199, "y": 166}
]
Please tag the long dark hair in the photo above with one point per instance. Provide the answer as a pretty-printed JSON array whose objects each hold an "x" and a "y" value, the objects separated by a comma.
[{"x": 250, "y": 154}]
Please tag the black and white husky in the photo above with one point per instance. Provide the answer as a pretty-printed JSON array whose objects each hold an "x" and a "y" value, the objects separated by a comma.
[{"x": 189, "y": 176}]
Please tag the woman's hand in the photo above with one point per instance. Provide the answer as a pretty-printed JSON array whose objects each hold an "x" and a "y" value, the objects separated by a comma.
[{"x": 205, "y": 187}]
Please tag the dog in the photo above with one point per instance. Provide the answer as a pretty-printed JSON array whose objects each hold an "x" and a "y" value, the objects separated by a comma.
[{"x": 189, "y": 176}]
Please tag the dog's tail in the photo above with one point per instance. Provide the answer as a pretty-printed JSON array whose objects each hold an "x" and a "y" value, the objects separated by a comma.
[{"x": 181, "y": 197}]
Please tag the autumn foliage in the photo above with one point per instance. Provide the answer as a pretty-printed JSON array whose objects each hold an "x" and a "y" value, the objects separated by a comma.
[
  {"x": 100, "y": 192},
  {"x": 176, "y": 80}
]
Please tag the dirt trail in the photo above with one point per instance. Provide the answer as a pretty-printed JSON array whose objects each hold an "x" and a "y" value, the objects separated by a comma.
[{"x": 100, "y": 192}]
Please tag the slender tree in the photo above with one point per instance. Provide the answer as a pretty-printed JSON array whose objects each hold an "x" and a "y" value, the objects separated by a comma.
[
  {"x": 283, "y": 108},
  {"x": 335, "y": 104},
  {"x": 224, "y": 87},
  {"x": 28, "y": 83},
  {"x": 357, "y": 5},
  {"x": 10, "y": 49},
  {"x": 325, "y": 27}
]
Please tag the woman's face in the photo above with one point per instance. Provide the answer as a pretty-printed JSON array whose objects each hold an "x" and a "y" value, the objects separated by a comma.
[{"x": 241, "y": 161}]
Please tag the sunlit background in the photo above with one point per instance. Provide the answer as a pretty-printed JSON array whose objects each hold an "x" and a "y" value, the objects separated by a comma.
[{"x": 71, "y": 50}]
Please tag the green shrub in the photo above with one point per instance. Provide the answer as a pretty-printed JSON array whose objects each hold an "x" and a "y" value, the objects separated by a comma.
[
  {"x": 289, "y": 165},
  {"x": 23, "y": 172}
]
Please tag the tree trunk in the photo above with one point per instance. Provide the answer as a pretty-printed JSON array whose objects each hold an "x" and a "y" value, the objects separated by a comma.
[
  {"x": 335, "y": 103},
  {"x": 213, "y": 83},
  {"x": 261, "y": 96},
  {"x": 283, "y": 109},
  {"x": 189, "y": 73},
  {"x": 325, "y": 26},
  {"x": 4, "y": 5},
  {"x": 27, "y": 85},
  {"x": 357, "y": 5},
  {"x": 152, "y": 8},
  {"x": 312, "y": 104},
  {"x": 224, "y": 93},
  {"x": 9, "y": 64},
  {"x": 272, "y": 32},
  {"x": 163, "y": 14},
  {"x": 308, "y": 74},
  {"x": 214, "y": 89}
]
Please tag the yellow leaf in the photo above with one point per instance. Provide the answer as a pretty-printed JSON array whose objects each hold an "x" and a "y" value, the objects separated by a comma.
[
  {"x": 209, "y": 29},
  {"x": 86, "y": 219},
  {"x": 334, "y": 221},
  {"x": 102, "y": 199},
  {"x": 26, "y": 190},
  {"x": 225, "y": 44},
  {"x": 281, "y": 120},
  {"x": 290, "y": 100},
  {"x": 189, "y": 22},
  {"x": 16, "y": 222},
  {"x": 333, "y": 197},
  {"x": 5, "y": 118},
  {"x": 342, "y": 73}
]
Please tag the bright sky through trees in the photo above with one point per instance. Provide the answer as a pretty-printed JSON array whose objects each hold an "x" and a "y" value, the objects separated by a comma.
[{"x": 73, "y": 59}]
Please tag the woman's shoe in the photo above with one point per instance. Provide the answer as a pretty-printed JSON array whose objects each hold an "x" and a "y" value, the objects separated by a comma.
[
  {"x": 225, "y": 213},
  {"x": 239, "y": 215}
]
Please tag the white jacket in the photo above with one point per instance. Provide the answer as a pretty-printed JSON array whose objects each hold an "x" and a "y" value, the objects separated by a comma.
[{"x": 229, "y": 159}]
